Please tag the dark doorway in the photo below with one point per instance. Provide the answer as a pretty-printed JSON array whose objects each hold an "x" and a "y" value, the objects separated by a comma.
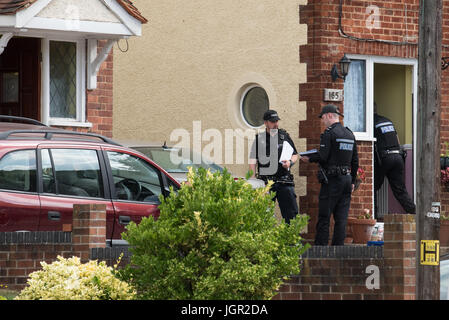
[
  {"x": 20, "y": 78},
  {"x": 393, "y": 93}
]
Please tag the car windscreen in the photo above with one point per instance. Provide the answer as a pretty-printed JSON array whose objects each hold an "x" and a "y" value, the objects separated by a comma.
[{"x": 177, "y": 159}]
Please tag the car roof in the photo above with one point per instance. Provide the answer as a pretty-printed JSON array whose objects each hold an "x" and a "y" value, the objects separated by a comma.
[
  {"x": 134, "y": 143},
  {"x": 33, "y": 132},
  {"x": 6, "y": 126},
  {"x": 40, "y": 132}
]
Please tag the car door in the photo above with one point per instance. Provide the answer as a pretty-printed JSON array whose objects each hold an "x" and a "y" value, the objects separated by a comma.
[
  {"x": 136, "y": 185},
  {"x": 68, "y": 176},
  {"x": 19, "y": 200}
]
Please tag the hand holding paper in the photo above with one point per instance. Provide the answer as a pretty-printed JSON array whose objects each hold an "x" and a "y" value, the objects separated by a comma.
[{"x": 287, "y": 152}]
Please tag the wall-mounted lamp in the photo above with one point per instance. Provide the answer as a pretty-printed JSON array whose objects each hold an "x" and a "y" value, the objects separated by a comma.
[
  {"x": 444, "y": 62},
  {"x": 344, "y": 67}
]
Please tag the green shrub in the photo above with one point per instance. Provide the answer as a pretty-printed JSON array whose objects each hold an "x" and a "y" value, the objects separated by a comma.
[
  {"x": 2, "y": 297},
  {"x": 69, "y": 279},
  {"x": 216, "y": 238}
]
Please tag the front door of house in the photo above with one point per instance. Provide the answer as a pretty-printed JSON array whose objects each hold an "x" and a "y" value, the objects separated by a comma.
[
  {"x": 393, "y": 93},
  {"x": 20, "y": 78}
]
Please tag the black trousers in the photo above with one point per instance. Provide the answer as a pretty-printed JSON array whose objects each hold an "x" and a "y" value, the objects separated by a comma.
[
  {"x": 393, "y": 168},
  {"x": 286, "y": 197},
  {"x": 334, "y": 198}
]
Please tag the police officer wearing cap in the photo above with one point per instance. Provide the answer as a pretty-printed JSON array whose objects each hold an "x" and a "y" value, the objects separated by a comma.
[
  {"x": 338, "y": 162},
  {"x": 389, "y": 161},
  {"x": 265, "y": 163}
]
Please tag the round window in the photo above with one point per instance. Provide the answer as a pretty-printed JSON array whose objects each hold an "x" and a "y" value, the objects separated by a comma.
[{"x": 254, "y": 104}]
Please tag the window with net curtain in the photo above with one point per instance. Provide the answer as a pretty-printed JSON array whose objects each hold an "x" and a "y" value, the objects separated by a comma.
[{"x": 355, "y": 97}]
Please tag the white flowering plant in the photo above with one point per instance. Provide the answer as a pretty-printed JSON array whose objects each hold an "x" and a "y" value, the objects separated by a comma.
[{"x": 69, "y": 279}]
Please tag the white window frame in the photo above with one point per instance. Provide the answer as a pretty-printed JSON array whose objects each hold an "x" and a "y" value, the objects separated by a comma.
[
  {"x": 369, "y": 65},
  {"x": 369, "y": 136},
  {"x": 80, "y": 120}
]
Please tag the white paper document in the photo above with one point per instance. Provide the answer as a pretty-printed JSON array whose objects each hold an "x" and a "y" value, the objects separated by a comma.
[{"x": 287, "y": 152}]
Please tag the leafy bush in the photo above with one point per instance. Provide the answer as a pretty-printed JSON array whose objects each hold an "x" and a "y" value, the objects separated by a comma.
[
  {"x": 2, "y": 297},
  {"x": 6, "y": 293},
  {"x": 68, "y": 279},
  {"x": 216, "y": 238}
]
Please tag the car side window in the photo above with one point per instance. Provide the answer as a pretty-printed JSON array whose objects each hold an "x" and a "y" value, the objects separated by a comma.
[
  {"x": 18, "y": 171},
  {"x": 172, "y": 184},
  {"x": 48, "y": 176},
  {"x": 77, "y": 172},
  {"x": 134, "y": 178}
]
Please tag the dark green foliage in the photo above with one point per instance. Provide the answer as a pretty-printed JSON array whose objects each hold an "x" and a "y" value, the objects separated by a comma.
[{"x": 216, "y": 238}]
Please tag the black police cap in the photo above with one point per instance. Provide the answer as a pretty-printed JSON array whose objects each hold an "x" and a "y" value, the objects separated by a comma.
[
  {"x": 271, "y": 115},
  {"x": 330, "y": 108}
]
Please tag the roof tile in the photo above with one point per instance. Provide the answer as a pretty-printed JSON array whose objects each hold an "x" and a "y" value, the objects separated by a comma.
[
  {"x": 12, "y": 6},
  {"x": 132, "y": 10}
]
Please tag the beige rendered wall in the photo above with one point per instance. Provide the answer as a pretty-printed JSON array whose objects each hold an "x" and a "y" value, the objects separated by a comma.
[{"x": 195, "y": 58}]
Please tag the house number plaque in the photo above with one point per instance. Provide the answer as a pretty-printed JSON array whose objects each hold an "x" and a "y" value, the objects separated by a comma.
[{"x": 333, "y": 95}]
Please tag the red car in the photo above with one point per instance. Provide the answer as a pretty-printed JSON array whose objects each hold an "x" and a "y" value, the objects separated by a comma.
[{"x": 45, "y": 171}]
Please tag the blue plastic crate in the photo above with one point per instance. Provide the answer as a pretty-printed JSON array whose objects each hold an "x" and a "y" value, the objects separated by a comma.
[{"x": 375, "y": 243}]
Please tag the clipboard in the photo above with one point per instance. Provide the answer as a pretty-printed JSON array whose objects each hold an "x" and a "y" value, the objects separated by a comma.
[{"x": 308, "y": 152}]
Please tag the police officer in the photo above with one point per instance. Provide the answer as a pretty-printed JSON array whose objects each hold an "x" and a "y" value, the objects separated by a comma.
[
  {"x": 389, "y": 161},
  {"x": 265, "y": 163},
  {"x": 338, "y": 162}
]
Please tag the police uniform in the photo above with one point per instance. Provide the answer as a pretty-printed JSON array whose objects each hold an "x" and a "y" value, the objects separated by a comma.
[
  {"x": 338, "y": 161},
  {"x": 389, "y": 162},
  {"x": 266, "y": 150}
]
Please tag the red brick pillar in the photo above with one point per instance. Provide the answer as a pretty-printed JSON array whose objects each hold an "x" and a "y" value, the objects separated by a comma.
[
  {"x": 89, "y": 229},
  {"x": 400, "y": 256}
]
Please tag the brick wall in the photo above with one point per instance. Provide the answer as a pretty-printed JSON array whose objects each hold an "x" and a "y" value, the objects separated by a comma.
[
  {"x": 362, "y": 198},
  {"x": 334, "y": 273},
  {"x": 400, "y": 256},
  {"x": 340, "y": 272},
  {"x": 99, "y": 103},
  {"x": 398, "y": 22},
  {"x": 22, "y": 252},
  {"x": 89, "y": 229}
]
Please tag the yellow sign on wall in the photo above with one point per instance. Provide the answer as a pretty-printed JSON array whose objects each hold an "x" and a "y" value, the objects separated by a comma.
[{"x": 430, "y": 252}]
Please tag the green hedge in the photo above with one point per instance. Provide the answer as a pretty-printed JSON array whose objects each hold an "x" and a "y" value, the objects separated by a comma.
[{"x": 216, "y": 238}]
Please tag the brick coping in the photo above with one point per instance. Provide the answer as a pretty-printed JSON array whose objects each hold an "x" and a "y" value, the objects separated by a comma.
[
  {"x": 35, "y": 237},
  {"x": 344, "y": 252}
]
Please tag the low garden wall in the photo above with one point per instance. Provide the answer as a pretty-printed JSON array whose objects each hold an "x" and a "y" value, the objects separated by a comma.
[
  {"x": 356, "y": 272},
  {"x": 22, "y": 252},
  {"x": 340, "y": 272}
]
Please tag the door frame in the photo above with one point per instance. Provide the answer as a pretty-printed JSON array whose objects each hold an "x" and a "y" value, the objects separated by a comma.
[{"x": 370, "y": 60}]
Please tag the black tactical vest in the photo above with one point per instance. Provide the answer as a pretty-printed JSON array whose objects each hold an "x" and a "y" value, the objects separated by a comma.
[
  {"x": 385, "y": 133},
  {"x": 342, "y": 146},
  {"x": 264, "y": 143}
]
